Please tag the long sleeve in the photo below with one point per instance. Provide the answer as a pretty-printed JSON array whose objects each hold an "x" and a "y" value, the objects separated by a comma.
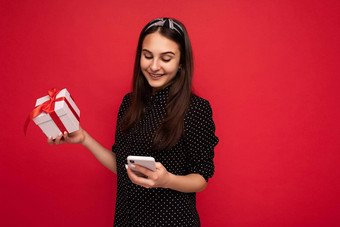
[{"x": 200, "y": 138}]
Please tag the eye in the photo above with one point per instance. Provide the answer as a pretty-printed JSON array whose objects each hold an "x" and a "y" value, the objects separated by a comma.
[
  {"x": 166, "y": 59},
  {"x": 148, "y": 57}
]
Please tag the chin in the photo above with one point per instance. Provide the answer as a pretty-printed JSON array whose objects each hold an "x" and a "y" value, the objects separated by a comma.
[{"x": 157, "y": 84}]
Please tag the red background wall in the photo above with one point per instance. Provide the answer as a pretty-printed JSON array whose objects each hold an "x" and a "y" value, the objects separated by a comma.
[{"x": 269, "y": 69}]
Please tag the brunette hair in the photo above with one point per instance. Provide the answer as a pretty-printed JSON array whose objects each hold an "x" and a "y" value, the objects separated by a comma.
[{"x": 172, "y": 126}]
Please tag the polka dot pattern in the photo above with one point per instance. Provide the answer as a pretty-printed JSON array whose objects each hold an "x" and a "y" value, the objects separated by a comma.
[{"x": 194, "y": 153}]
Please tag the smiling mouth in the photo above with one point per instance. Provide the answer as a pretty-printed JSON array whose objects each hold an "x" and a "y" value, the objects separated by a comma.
[{"x": 156, "y": 75}]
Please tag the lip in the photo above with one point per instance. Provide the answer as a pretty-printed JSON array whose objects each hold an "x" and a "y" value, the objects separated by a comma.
[{"x": 156, "y": 76}]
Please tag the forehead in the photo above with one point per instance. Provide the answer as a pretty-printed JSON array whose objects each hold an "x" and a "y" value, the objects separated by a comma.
[{"x": 157, "y": 43}]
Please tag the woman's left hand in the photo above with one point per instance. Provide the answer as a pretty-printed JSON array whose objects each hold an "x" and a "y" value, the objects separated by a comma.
[{"x": 155, "y": 179}]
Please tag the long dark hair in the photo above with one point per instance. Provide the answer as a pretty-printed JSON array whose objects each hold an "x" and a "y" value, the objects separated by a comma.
[{"x": 172, "y": 126}]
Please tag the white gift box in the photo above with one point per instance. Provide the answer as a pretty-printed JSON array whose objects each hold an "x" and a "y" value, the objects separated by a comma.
[{"x": 64, "y": 112}]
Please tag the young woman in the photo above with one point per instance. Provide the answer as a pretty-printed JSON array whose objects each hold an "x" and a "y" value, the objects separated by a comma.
[{"x": 163, "y": 119}]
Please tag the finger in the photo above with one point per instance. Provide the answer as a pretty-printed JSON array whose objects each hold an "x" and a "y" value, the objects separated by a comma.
[
  {"x": 147, "y": 172},
  {"x": 50, "y": 140},
  {"x": 58, "y": 138},
  {"x": 151, "y": 175},
  {"x": 133, "y": 177},
  {"x": 144, "y": 182},
  {"x": 66, "y": 137},
  {"x": 128, "y": 170},
  {"x": 158, "y": 165}
]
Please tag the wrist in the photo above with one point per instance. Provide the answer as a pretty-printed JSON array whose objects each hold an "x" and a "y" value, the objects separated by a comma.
[
  {"x": 85, "y": 138},
  {"x": 169, "y": 181}
]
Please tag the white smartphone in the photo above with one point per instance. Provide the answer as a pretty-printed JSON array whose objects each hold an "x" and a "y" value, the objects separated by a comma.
[{"x": 147, "y": 162}]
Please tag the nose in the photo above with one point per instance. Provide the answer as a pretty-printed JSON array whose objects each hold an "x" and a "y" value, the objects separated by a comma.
[{"x": 155, "y": 65}]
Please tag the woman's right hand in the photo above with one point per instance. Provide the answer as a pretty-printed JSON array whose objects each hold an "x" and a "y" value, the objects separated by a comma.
[{"x": 74, "y": 137}]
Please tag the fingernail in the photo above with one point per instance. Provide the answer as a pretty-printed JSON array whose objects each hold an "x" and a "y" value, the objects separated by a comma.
[
  {"x": 132, "y": 165},
  {"x": 126, "y": 166},
  {"x": 50, "y": 137},
  {"x": 65, "y": 133},
  {"x": 60, "y": 133}
]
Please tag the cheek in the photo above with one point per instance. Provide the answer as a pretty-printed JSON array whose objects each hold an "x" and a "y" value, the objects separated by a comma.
[
  {"x": 143, "y": 64},
  {"x": 172, "y": 69}
]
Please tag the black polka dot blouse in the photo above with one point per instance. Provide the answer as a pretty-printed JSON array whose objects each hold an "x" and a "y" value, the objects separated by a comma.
[{"x": 194, "y": 153}]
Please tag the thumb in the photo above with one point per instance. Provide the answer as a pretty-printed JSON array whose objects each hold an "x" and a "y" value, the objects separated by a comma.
[
  {"x": 159, "y": 165},
  {"x": 66, "y": 137}
]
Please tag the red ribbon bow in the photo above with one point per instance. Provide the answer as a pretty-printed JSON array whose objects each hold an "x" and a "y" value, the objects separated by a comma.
[{"x": 48, "y": 107}]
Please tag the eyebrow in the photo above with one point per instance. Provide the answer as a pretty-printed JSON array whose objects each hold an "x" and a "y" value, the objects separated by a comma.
[{"x": 167, "y": 52}]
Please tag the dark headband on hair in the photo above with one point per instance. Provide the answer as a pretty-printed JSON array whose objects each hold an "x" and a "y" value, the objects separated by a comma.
[{"x": 166, "y": 22}]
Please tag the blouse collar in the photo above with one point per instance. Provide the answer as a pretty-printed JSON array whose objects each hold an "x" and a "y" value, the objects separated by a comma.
[{"x": 161, "y": 96}]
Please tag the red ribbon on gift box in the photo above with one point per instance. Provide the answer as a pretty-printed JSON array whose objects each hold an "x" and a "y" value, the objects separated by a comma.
[{"x": 48, "y": 107}]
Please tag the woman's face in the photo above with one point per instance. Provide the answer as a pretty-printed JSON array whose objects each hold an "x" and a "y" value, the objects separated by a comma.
[{"x": 159, "y": 61}]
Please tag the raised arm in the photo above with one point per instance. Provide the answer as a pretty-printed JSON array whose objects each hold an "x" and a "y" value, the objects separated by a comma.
[{"x": 103, "y": 155}]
